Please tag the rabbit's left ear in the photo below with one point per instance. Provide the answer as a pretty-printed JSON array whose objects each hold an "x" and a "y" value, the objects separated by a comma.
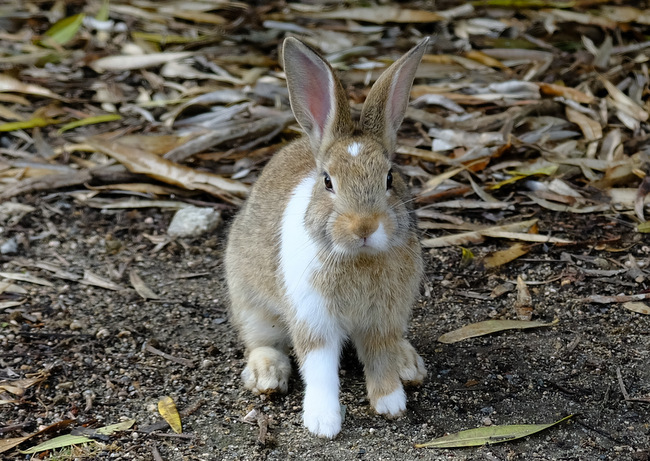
[{"x": 386, "y": 103}]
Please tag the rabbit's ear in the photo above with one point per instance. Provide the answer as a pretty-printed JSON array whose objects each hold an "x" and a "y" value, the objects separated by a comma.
[
  {"x": 386, "y": 103},
  {"x": 317, "y": 97}
]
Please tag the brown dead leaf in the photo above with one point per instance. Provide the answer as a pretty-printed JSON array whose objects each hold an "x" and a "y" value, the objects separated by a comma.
[
  {"x": 591, "y": 129},
  {"x": 26, "y": 277},
  {"x": 382, "y": 15},
  {"x": 600, "y": 299},
  {"x": 93, "y": 279},
  {"x": 11, "y": 85},
  {"x": 524, "y": 302},
  {"x": 139, "y": 161},
  {"x": 641, "y": 308},
  {"x": 143, "y": 290},
  {"x": 552, "y": 89}
]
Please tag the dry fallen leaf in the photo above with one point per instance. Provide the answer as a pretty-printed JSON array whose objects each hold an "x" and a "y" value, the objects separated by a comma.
[
  {"x": 524, "y": 302},
  {"x": 69, "y": 439},
  {"x": 25, "y": 277},
  {"x": 488, "y": 435},
  {"x": 93, "y": 279},
  {"x": 143, "y": 290},
  {"x": 382, "y": 15},
  {"x": 501, "y": 257},
  {"x": 641, "y": 308},
  {"x": 139, "y": 161},
  {"x": 490, "y": 326},
  {"x": 121, "y": 63}
]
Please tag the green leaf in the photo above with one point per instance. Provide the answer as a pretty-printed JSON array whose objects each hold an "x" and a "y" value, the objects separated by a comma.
[
  {"x": 58, "y": 442},
  {"x": 67, "y": 440},
  {"x": 108, "y": 430},
  {"x": 644, "y": 227},
  {"x": 32, "y": 123},
  {"x": 103, "y": 13},
  {"x": 487, "y": 435},
  {"x": 65, "y": 29},
  {"x": 90, "y": 121},
  {"x": 490, "y": 326}
]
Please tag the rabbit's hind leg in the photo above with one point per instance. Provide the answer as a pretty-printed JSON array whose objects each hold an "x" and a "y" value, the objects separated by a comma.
[{"x": 267, "y": 345}]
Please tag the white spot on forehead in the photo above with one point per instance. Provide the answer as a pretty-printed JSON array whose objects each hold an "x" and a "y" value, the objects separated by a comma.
[{"x": 354, "y": 149}]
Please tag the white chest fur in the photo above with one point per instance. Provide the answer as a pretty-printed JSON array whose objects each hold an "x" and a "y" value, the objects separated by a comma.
[{"x": 299, "y": 260}]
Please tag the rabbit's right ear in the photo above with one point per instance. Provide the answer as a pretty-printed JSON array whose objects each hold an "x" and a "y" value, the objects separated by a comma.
[{"x": 317, "y": 97}]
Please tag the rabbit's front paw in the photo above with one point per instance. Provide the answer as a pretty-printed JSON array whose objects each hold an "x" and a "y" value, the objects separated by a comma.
[
  {"x": 267, "y": 371},
  {"x": 412, "y": 369},
  {"x": 392, "y": 405},
  {"x": 322, "y": 418}
]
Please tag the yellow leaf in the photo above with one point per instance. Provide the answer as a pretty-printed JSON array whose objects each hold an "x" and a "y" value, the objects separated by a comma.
[
  {"x": 490, "y": 326},
  {"x": 644, "y": 227},
  {"x": 488, "y": 435},
  {"x": 167, "y": 409},
  {"x": 467, "y": 257},
  {"x": 499, "y": 258}
]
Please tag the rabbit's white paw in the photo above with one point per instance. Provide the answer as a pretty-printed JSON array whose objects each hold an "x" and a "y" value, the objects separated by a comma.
[
  {"x": 393, "y": 404},
  {"x": 321, "y": 416},
  {"x": 412, "y": 369},
  {"x": 267, "y": 371}
]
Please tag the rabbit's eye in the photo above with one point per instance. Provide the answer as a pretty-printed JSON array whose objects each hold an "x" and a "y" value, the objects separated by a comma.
[
  {"x": 389, "y": 180},
  {"x": 328, "y": 183}
]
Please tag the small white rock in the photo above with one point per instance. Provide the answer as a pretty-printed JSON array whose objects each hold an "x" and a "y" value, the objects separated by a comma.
[
  {"x": 9, "y": 247},
  {"x": 102, "y": 333},
  {"x": 193, "y": 221}
]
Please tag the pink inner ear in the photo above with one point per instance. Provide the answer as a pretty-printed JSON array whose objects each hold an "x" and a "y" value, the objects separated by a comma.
[
  {"x": 314, "y": 91},
  {"x": 399, "y": 97}
]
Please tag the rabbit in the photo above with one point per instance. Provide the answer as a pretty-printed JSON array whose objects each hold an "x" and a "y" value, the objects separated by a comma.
[{"x": 325, "y": 249}]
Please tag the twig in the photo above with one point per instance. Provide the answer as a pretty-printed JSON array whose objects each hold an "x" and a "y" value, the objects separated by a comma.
[
  {"x": 626, "y": 396},
  {"x": 179, "y": 360},
  {"x": 621, "y": 384},
  {"x": 156, "y": 453},
  {"x": 15, "y": 427},
  {"x": 598, "y": 431},
  {"x": 174, "y": 436}
]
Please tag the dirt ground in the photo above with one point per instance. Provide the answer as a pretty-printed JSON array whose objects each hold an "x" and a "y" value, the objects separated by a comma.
[{"x": 96, "y": 345}]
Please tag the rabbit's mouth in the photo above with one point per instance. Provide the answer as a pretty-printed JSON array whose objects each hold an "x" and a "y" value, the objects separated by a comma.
[{"x": 355, "y": 235}]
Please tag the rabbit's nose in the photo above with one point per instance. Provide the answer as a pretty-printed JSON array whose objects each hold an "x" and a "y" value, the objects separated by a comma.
[{"x": 364, "y": 227}]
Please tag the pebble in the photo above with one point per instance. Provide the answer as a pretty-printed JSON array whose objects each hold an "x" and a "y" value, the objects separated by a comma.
[
  {"x": 9, "y": 247},
  {"x": 102, "y": 333},
  {"x": 194, "y": 221}
]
